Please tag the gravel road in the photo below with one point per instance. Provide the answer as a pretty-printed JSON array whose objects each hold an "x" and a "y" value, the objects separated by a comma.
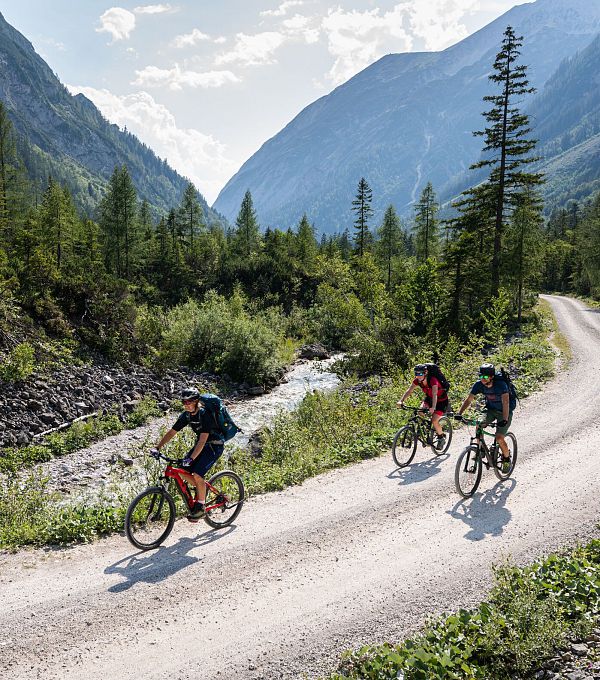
[{"x": 358, "y": 555}]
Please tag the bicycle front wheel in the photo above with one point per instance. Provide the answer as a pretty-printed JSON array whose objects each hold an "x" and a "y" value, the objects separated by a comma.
[
  {"x": 504, "y": 471},
  {"x": 150, "y": 518},
  {"x": 404, "y": 446},
  {"x": 439, "y": 445},
  {"x": 468, "y": 472},
  {"x": 224, "y": 501}
]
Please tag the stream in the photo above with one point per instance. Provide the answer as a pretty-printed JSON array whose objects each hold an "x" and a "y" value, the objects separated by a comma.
[{"x": 91, "y": 471}]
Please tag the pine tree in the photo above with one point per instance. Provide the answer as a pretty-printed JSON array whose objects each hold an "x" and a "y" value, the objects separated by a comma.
[
  {"x": 306, "y": 243},
  {"x": 426, "y": 224},
  {"x": 361, "y": 206},
  {"x": 390, "y": 243},
  {"x": 191, "y": 214},
  {"x": 13, "y": 183},
  {"x": 505, "y": 139},
  {"x": 57, "y": 221},
  {"x": 247, "y": 236}
]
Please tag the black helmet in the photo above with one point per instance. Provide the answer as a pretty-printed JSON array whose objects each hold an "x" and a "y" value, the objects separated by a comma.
[
  {"x": 190, "y": 393},
  {"x": 488, "y": 370},
  {"x": 420, "y": 368}
]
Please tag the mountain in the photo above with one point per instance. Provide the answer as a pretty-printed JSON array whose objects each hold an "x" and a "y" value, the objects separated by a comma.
[
  {"x": 67, "y": 137},
  {"x": 405, "y": 120}
]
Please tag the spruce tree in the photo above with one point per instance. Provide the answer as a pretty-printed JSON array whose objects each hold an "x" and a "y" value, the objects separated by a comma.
[
  {"x": 361, "y": 206},
  {"x": 191, "y": 214},
  {"x": 247, "y": 237},
  {"x": 13, "y": 183},
  {"x": 426, "y": 224},
  {"x": 390, "y": 243},
  {"x": 506, "y": 145}
]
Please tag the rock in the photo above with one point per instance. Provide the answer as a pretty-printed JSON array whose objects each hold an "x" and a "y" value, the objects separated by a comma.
[
  {"x": 580, "y": 648},
  {"x": 48, "y": 418},
  {"x": 35, "y": 405},
  {"x": 314, "y": 350},
  {"x": 255, "y": 391},
  {"x": 23, "y": 439}
]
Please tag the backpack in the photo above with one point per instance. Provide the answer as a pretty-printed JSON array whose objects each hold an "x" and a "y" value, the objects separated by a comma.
[
  {"x": 225, "y": 426},
  {"x": 513, "y": 397},
  {"x": 434, "y": 371}
]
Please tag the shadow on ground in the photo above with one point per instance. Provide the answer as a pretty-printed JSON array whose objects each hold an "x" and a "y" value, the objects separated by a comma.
[
  {"x": 417, "y": 472},
  {"x": 156, "y": 565}
]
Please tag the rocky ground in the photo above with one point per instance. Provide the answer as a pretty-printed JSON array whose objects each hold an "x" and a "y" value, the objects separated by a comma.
[{"x": 580, "y": 660}]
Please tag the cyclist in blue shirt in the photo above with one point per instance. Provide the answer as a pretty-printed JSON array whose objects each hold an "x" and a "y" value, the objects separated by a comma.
[{"x": 498, "y": 405}]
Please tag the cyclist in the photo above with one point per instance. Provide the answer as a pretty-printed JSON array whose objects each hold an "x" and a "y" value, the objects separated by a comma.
[
  {"x": 435, "y": 400},
  {"x": 497, "y": 406},
  {"x": 205, "y": 452}
]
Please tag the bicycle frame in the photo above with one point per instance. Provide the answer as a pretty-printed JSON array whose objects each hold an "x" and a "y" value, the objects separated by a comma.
[
  {"x": 421, "y": 423},
  {"x": 174, "y": 473},
  {"x": 483, "y": 449}
]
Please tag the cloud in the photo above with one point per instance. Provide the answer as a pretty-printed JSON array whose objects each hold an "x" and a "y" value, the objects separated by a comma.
[
  {"x": 198, "y": 156},
  {"x": 439, "y": 22},
  {"x": 282, "y": 9},
  {"x": 152, "y": 9},
  {"x": 356, "y": 39},
  {"x": 118, "y": 22},
  {"x": 189, "y": 39},
  {"x": 176, "y": 79},
  {"x": 253, "y": 50},
  {"x": 303, "y": 27}
]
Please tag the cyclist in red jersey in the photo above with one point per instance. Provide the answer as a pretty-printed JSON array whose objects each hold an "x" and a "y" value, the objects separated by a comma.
[{"x": 435, "y": 400}]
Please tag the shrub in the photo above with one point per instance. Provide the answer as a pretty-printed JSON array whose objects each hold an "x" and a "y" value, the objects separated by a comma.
[{"x": 19, "y": 364}]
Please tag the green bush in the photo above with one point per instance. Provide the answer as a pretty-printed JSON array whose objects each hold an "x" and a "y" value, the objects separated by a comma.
[{"x": 19, "y": 364}]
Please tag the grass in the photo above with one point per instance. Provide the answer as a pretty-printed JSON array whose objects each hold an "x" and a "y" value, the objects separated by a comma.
[
  {"x": 326, "y": 431},
  {"x": 530, "y": 613},
  {"x": 557, "y": 338}
]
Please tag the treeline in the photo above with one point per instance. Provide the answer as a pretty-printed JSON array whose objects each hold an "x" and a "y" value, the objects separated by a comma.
[{"x": 233, "y": 299}]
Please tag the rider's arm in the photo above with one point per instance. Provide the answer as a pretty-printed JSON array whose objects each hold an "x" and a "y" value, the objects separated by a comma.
[
  {"x": 466, "y": 403},
  {"x": 202, "y": 439},
  {"x": 166, "y": 439},
  {"x": 407, "y": 394},
  {"x": 505, "y": 406}
]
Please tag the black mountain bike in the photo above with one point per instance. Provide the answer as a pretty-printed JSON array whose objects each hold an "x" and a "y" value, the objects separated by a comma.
[
  {"x": 469, "y": 465},
  {"x": 418, "y": 429}
]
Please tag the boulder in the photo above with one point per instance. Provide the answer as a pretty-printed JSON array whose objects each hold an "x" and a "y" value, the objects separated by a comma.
[{"x": 314, "y": 350}]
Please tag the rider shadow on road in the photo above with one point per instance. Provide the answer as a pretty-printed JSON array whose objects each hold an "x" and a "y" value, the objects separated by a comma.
[
  {"x": 485, "y": 513},
  {"x": 417, "y": 472},
  {"x": 156, "y": 565}
]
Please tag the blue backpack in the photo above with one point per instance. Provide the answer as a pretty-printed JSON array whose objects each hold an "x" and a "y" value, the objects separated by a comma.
[
  {"x": 224, "y": 425},
  {"x": 513, "y": 397}
]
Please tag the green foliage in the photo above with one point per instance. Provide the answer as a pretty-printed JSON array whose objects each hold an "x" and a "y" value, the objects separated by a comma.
[
  {"x": 495, "y": 319},
  {"x": 531, "y": 611},
  {"x": 19, "y": 364}
]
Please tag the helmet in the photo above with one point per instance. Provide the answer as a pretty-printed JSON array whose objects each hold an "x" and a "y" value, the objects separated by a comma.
[
  {"x": 487, "y": 369},
  {"x": 190, "y": 393},
  {"x": 420, "y": 368}
]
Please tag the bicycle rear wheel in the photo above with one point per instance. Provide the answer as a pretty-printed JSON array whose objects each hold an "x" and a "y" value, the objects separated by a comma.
[
  {"x": 150, "y": 518},
  {"x": 446, "y": 425},
  {"x": 404, "y": 446},
  {"x": 468, "y": 472},
  {"x": 499, "y": 470},
  {"x": 224, "y": 504}
]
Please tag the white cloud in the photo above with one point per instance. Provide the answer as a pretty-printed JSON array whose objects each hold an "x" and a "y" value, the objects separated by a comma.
[
  {"x": 176, "y": 78},
  {"x": 439, "y": 22},
  {"x": 152, "y": 9},
  {"x": 282, "y": 9},
  {"x": 118, "y": 22},
  {"x": 356, "y": 39},
  {"x": 192, "y": 153},
  {"x": 189, "y": 39},
  {"x": 220, "y": 40},
  {"x": 303, "y": 27},
  {"x": 253, "y": 50}
]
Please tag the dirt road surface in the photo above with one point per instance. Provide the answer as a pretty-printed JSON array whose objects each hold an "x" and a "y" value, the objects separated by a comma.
[{"x": 358, "y": 555}]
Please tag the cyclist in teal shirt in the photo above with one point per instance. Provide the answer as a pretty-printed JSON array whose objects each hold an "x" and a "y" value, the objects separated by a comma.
[{"x": 498, "y": 406}]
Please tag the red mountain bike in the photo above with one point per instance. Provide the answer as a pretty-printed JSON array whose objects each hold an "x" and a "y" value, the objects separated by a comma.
[{"x": 151, "y": 514}]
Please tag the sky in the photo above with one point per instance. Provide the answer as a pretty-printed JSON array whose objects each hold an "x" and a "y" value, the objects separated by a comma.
[{"x": 205, "y": 83}]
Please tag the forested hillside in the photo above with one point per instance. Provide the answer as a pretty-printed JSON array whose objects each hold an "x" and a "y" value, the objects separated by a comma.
[{"x": 66, "y": 137}]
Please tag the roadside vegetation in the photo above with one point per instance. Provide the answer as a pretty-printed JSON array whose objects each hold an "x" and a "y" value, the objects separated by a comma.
[{"x": 531, "y": 612}]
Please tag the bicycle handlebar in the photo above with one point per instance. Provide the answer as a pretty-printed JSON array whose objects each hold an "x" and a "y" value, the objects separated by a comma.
[
  {"x": 415, "y": 409},
  {"x": 158, "y": 455},
  {"x": 474, "y": 421}
]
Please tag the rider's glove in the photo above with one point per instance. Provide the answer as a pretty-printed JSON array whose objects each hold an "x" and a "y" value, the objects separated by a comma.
[
  {"x": 501, "y": 423},
  {"x": 186, "y": 462},
  {"x": 458, "y": 416},
  {"x": 155, "y": 453}
]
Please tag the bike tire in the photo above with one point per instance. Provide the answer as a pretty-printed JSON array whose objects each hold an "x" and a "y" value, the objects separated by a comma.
[
  {"x": 511, "y": 442},
  {"x": 231, "y": 487},
  {"x": 467, "y": 474},
  {"x": 446, "y": 424},
  {"x": 404, "y": 446},
  {"x": 150, "y": 518}
]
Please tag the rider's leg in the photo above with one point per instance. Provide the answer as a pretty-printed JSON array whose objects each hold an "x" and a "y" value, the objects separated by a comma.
[
  {"x": 435, "y": 423},
  {"x": 503, "y": 445},
  {"x": 200, "y": 485}
]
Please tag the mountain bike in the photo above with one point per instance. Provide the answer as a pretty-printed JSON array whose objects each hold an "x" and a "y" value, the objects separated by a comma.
[
  {"x": 469, "y": 465},
  {"x": 419, "y": 429},
  {"x": 151, "y": 514}
]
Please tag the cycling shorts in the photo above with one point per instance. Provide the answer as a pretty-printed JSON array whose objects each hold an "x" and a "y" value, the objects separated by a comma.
[
  {"x": 492, "y": 414},
  {"x": 440, "y": 408},
  {"x": 209, "y": 455}
]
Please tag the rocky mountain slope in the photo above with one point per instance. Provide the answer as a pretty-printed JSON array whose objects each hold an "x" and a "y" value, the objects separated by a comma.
[
  {"x": 67, "y": 137},
  {"x": 405, "y": 120}
]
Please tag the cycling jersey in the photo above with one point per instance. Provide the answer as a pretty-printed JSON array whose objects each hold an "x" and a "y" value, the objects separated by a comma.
[
  {"x": 493, "y": 393},
  {"x": 428, "y": 388},
  {"x": 200, "y": 422}
]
